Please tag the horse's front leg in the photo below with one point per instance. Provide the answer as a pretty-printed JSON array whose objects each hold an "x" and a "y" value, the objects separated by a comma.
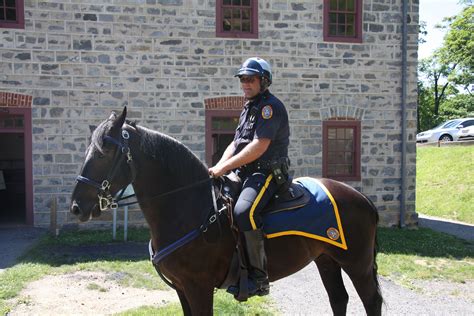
[
  {"x": 197, "y": 299},
  {"x": 184, "y": 303}
]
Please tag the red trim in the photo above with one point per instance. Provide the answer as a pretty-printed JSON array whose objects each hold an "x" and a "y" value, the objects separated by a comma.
[
  {"x": 344, "y": 39},
  {"x": 20, "y": 17},
  {"x": 254, "y": 22},
  {"x": 356, "y": 125},
  {"x": 27, "y": 135}
]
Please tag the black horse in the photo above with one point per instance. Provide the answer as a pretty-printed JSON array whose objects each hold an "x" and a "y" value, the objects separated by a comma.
[{"x": 174, "y": 192}]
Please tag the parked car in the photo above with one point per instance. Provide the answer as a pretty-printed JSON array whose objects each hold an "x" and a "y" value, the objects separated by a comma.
[
  {"x": 445, "y": 132},
  {"x": 466, "y": 133}
]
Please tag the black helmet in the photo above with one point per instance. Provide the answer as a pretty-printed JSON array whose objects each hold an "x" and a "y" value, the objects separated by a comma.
[{"x": 256, "y": 66}]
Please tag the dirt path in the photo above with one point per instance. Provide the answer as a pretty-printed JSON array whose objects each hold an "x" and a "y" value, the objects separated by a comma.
[{"x": 85, "y": 293}]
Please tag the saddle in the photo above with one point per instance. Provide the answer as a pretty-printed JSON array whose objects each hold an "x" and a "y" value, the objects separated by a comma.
[
  {"x": 289, "y": 196},
  {"x": 304, "y": 208}
]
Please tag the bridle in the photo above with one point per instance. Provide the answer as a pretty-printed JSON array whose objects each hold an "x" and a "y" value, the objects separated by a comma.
[{"x": 106, "y": 200}]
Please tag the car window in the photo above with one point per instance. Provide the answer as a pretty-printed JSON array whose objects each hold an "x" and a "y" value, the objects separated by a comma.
[
  {"x": 451, "y": 124},
  {"x": 468, "y": 123},
  {"x": 442, "y": 125}
]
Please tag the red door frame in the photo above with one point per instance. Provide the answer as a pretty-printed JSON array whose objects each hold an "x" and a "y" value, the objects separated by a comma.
[{"x": 28, "y": 148}]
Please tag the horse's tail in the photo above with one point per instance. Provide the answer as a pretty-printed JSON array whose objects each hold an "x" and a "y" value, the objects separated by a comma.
[{"x": 376, "y": 248}]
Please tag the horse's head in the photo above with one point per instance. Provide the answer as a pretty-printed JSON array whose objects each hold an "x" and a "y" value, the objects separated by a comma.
[{"x": 105, "y": 169}]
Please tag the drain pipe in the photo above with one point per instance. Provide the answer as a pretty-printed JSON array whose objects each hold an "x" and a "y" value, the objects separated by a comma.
[{"x": 404, "y": 121}]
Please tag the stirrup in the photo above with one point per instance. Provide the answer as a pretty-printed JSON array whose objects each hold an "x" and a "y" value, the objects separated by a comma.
[{"x": 252, "y": 289}]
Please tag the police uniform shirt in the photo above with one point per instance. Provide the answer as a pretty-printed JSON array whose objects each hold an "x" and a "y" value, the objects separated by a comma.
[{"x": 264, "y": 117}]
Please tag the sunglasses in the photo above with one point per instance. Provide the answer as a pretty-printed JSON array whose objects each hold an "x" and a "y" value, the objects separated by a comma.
[{"x": 250, "y": 79}]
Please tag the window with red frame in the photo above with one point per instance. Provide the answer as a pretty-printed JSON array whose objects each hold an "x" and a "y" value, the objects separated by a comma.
[
  {"x": 341, "y": 150},
  {"x": 237, "y": 18},
  {"x": 11, "y": 14},
  {"x": 343, "y": 21}
]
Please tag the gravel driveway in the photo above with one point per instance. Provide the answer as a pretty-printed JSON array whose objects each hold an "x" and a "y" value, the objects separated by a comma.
[{"x": 303, "y": 294}]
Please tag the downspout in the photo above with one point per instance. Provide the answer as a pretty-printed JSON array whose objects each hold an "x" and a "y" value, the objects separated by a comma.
[{"x": 404, "y": 121}]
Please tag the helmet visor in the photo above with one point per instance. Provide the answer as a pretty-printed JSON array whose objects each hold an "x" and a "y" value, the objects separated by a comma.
[{"x": 247, "y": 72}]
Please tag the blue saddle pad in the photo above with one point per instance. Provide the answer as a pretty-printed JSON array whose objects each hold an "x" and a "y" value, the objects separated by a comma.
[{"x": 319, "y": 219}]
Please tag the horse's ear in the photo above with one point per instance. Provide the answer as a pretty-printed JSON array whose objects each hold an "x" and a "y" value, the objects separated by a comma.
[{"x": 120, "y": 120}]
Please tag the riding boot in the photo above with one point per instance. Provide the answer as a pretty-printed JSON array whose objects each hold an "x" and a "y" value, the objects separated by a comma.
[
  {"x": 258, "y": 277},
  {"x": 258, "y": 283}
]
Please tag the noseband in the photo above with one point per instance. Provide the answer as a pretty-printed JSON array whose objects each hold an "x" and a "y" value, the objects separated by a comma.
[{"x": 106, "y": 200}]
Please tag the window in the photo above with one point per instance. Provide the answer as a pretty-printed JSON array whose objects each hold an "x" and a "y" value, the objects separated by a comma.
[
  {"x": 11, "y": 14},
  {"x": 237, "y": 18},
  {"x": 341, "y": 150},
  {"x": 343, "y": 21}
]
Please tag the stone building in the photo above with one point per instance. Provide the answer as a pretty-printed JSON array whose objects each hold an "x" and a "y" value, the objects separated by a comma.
[{"x": 338, "y": 66}]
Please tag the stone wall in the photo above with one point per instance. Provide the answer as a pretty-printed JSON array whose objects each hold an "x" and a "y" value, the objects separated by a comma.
[{"x": 81, "y": 59}]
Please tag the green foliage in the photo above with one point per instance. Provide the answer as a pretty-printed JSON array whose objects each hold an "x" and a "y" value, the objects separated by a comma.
[
  {"x": 445, "y": 179},
  {"x": 461, "y": 105},
  {"x": 426, "y": 117},
  {"x": 458, "y": 47}
]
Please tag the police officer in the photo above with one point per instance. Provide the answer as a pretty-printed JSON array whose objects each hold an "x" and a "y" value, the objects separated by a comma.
[{"x": 259, "y": 154}]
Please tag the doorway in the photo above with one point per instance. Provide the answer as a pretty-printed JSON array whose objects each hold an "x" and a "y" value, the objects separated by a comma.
[
  {"x": 15, "y": 166},
  {"x": 220, "y": 129}
]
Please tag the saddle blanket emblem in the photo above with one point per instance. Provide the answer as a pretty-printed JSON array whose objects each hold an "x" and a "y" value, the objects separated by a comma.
[{"x": 319, "y": 219}]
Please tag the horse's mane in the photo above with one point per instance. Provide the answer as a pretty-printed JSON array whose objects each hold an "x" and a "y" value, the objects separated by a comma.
[
  {"x": 180, "y": 165},
  {"x": 172, "y": 156}
]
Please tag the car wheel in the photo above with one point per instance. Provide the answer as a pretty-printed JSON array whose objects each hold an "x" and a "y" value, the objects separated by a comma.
[{"x": 446, "y": 138}]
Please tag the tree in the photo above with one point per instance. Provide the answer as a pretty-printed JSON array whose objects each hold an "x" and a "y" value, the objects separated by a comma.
[
  {"x": 436, "y": 73},
  {"x": 461, "y": 105},
  {"x": 458, "y": 47},
  {"x": 425, "y": 118}
]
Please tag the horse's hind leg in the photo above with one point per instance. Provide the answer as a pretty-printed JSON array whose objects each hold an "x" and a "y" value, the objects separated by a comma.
[
  {"x": 330, "y": 272},
  {"x": 367, "y": 286}
]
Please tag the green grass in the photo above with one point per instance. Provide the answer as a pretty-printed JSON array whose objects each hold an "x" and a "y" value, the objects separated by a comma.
[
  {"x": 224, "y": 304},
  {"x": 445, "y": 182},
  {"x": 423, "y": 254}
]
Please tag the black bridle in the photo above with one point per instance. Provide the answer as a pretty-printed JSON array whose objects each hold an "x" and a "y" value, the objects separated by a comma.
[{"x": 106, "y": 200}]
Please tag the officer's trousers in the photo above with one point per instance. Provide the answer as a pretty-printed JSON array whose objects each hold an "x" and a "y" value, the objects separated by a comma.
[{"x": 257, "y": 190}]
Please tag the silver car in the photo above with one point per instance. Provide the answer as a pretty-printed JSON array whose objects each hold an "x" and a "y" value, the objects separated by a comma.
[{"x": 445, "y": 132}]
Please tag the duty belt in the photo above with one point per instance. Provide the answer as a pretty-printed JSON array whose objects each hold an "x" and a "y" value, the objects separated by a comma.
[{"x": 268, "y": 165}]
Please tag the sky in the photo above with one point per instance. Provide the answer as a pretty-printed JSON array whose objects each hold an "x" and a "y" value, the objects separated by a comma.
[{"x": 433, "y": 12}]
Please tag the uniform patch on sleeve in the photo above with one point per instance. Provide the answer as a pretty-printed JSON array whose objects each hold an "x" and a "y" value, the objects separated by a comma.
[{"x": 267, "y": 112}]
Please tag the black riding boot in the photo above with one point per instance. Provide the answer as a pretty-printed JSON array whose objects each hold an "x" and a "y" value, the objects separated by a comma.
[{"x": 258, "y": 279}]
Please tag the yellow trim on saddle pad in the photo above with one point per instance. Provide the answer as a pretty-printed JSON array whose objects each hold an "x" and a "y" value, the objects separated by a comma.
[
  {"x": 342, "y": 244},
  {"x": 257, "y": 200}
]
